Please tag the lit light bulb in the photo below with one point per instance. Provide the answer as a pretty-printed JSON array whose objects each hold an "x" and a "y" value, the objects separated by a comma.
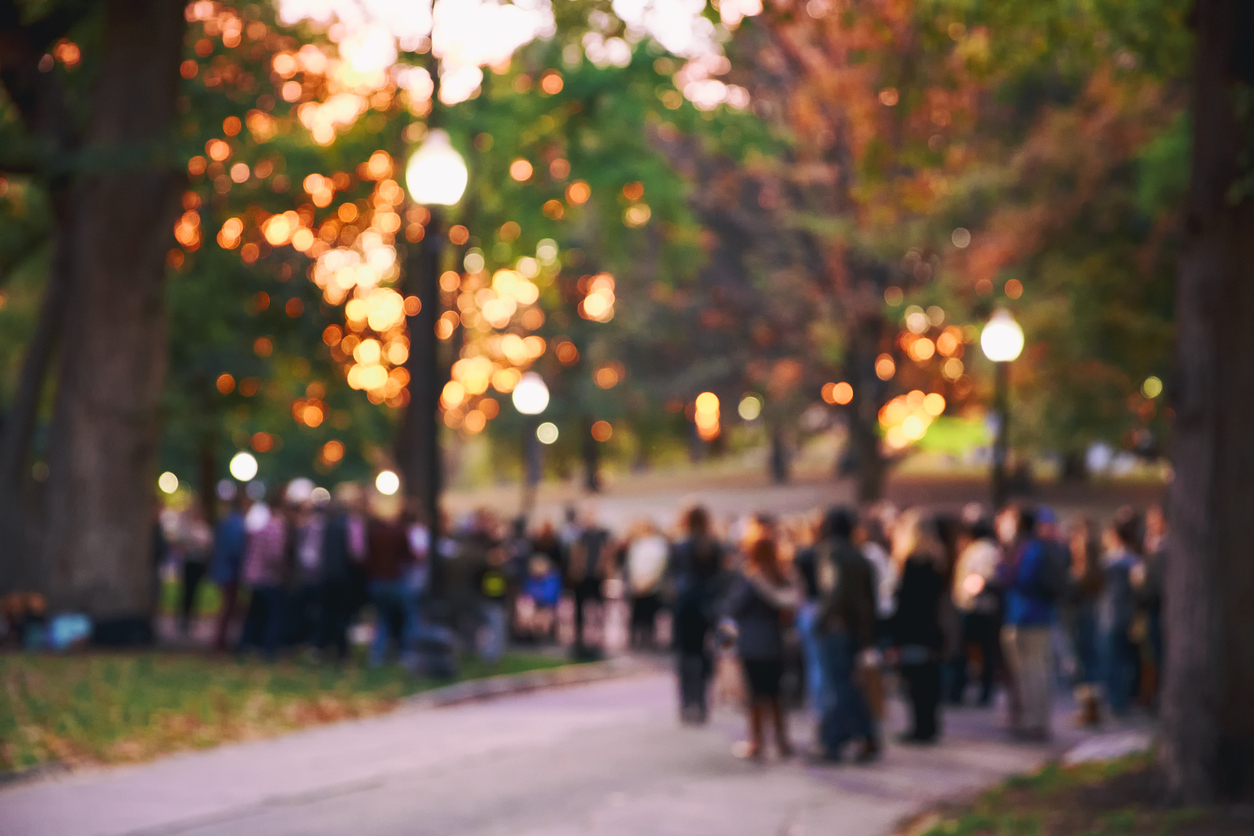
[
  {"x": 243, "y": 466},
  {"x": 1002, "y": 338},
  {"x": 436, "y": 174}
]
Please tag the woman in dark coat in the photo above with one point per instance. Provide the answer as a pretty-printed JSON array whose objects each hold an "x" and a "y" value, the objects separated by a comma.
[
  {"x": 915, "y": 627},
  {"x": 696, "y": 570},
  {"x": 763, "y": 600}
]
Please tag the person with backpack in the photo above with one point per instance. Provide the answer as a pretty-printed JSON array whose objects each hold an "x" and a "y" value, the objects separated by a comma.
[{"x": 1032, "y": 585}]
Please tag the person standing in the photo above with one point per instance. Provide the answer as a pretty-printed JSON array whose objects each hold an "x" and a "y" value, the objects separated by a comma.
[
  {"x": 587, "y": 569},
  {"x": 1080, "y": 616},
  {"x": 976, "y": 600},
  {"x": 387, "y": 560},
  {"x": 645, "y": 567},
  {"x": 267, "y": 569},
  {"x": 195, "y": 546},
  {"x": 226, "y": 565},
  {"x": 764, "y": 597},
  {"x": 696, "y": 568},
  {"x": 1116, "y": 609},
  {"x": 915, "y": 627},
  {"x": 1030, "y": 615},
  {"x": 343, "y": 555},
  {"x": 1149, "y": 588},
  {"x": 844, "y": 627},
  {"x": 310, "y": 540}
]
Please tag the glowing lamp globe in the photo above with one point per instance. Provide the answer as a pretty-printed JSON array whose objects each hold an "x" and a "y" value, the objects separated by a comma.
[
  {"x": 1002, "y": 338},
  {"x": 531, "y": 396},
  {"x": 243, "y": 466},
  {"x": 436, "y": 174}
]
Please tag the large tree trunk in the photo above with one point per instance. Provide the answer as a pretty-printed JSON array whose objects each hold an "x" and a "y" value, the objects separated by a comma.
[
  {"x": 1207, "y": 746},
  {"x": 105, "y": 425}
]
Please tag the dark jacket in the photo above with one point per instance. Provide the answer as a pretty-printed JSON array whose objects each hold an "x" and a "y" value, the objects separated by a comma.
[
  {"x": 696, "y": 577},
  {"x": 337, "y": 555},
  {"x": 917, "y": 618},
  {"x": 845, "y": 583},
  {"x": 387, "y": 550},
  {"x": 759, "y": 609}
]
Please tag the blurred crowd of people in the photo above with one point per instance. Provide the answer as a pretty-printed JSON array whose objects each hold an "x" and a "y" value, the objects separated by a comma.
[
  {"x": 950, "y": 607},
  {"x": 828, "y": 611}
]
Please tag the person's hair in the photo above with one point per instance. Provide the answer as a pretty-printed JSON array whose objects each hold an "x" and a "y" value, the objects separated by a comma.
[
  {"x": 764, "y": 557},
  {"x": 916, "y": 536},
  {"x": 1027, "y": 521},
  {"x": 840, "y": 522},
  {"x": 697, "y": 521},
  {"x": 982, "y": 529},
  {"x": 1127, "y": 527}
]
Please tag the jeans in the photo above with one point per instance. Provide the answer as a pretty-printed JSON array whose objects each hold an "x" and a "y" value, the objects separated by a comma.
[
  {"x": 845, "y": 712},
  {"x": 263, "y": 626},
  {"x": 334, "y": 610},
  {"x": 492, "y": 646},
  {"x": 1028, "y": 654},
  {"x": 816, "y": 680},
  {"x": 391, "y": 617},
  {"x": 1119, "y": 668},
  {"x": 694, "y": 679},
  {"x": 1084, "y": 641},
  {"x": 979, "y": 629}
]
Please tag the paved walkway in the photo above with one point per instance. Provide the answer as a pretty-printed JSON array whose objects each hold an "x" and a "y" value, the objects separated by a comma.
[{"x": 606, "y": 758}]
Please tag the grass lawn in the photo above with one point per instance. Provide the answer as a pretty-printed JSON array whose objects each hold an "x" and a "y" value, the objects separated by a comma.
[
  {"x": 1119, "y": 798},
  {"x": 112, "y": 707}
]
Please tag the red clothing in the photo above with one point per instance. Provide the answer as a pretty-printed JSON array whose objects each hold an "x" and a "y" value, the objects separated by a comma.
[{"x": 387, "y": 550}]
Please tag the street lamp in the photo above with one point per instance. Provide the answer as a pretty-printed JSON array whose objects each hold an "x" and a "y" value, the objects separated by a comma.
[
  {"x": 531, "y": 397},
  {"x": 436, "y": 177},
  {"x": 1001, "y": 341}
]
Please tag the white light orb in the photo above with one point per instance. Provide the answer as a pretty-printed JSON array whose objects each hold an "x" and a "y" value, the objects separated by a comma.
[
  {"x": 168, "y": 482},
  {"x": 387, "y": 483},
  {"x": 531, "y": 395},
  {"x": 547, "y": 432},
  {"x": 1002, "y": 338},
  {"x": 243, "y": 466},
  {"x": 750, "y": 407},
  {"x": 436, "y": 174}
]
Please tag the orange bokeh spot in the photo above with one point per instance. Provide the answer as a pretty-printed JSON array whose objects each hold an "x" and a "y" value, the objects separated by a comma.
[
  {"x": 520, "y": 170},
  {"x": 459, "y": 235},
  {"x": 551, "y": 82},
  {"x": 226, "y": 384},
  {"x": 602, "y": 430},
  {"x": 578, "y": 192},
  {"x": 332, "y": 451},
  {"x": 263, "y": 442}
]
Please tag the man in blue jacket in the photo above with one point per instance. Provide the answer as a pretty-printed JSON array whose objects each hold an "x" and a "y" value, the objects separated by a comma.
[
  {"x": 1030, "y": 614},
  {"x": 227, "y": 563}
]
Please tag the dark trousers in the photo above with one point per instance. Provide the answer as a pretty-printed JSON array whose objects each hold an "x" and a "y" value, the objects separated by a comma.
[
  {"x": 694, "y": 681},
  {"x": 334, "y": 612},
  {"x": 846, "y": 715},
  {"x": 230, "y": 600},
  {"x": 923, "y": 685},
  {"x": 584, "y": 595},
  {"x": 193, "y": 573},
  {"x": 979, "y": 630},
  {"x": 1120, "y": 668},
  {"x": 263, "y": 626}
]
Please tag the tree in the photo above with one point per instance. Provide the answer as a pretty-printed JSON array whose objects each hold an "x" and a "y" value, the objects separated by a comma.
[{"x": 1207, "y": 746}]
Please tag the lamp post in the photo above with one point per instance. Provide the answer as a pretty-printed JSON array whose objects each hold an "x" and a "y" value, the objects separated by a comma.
[
  {"x": 435, "y": 177},
  {"x": 530, "y": 397},
  {"x": 1001, "y": 341}
]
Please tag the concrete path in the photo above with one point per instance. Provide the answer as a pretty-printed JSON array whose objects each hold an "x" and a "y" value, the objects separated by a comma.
[{"x": 606, "y": 758}]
